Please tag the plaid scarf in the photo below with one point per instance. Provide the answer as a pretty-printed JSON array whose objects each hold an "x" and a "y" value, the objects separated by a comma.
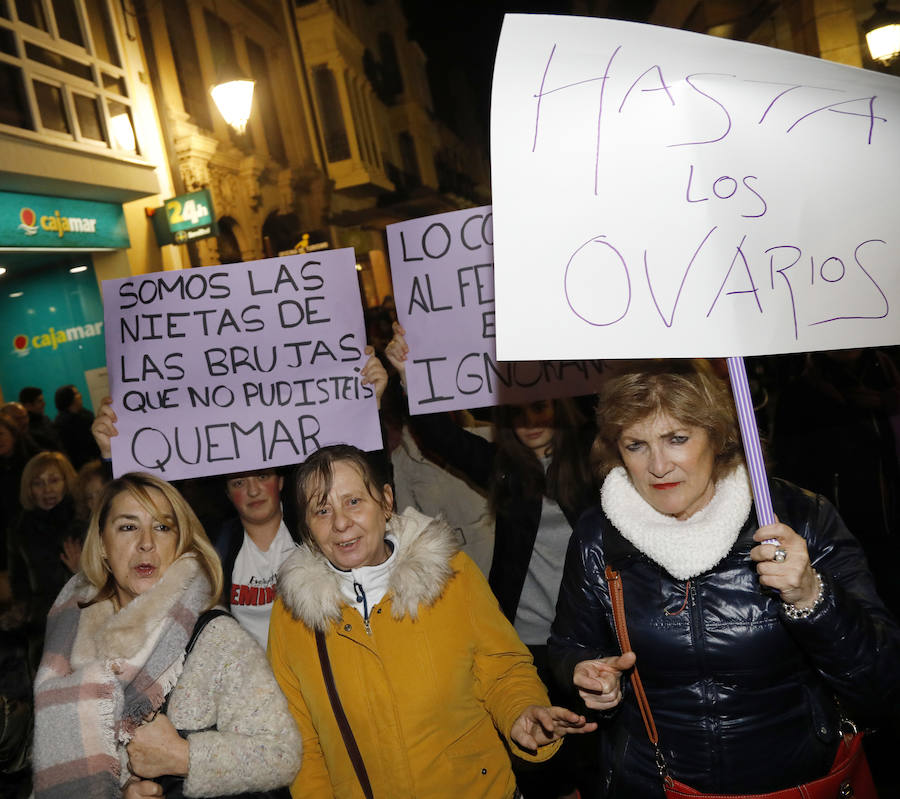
[{"x": 102, "y": 672}]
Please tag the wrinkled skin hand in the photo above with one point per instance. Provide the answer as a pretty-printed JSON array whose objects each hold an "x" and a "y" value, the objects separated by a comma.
[
  {"x": 158, "y": 749},
  {"x": 374, "y": 374},
  {"x": 71, "y": 554},
  {"x": 599, "y": 682},
  {"x": 794, "y": 578},
  {"x": 397, "y": 352},
  {"x": 538, "y": 726},
  {"x": 104, "y": 427},
  {"x": 139, "y": 789}
]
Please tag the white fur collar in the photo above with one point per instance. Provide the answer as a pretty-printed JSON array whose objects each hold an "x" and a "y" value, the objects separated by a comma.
[
  {"x": 683, "y": 548},
  {"x": 311, "y": 590}
]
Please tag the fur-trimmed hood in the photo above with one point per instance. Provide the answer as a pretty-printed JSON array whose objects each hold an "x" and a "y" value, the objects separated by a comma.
[{"x": 311, "y": 590}]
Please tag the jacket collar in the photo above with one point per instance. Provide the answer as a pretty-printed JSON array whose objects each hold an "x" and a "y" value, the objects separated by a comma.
[{"x": 311, "y": 590}]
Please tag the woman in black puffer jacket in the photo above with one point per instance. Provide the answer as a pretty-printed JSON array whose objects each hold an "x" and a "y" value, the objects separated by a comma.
[
  {"x": 743, "y": 646},
  {"x": 45, "y": 542}
]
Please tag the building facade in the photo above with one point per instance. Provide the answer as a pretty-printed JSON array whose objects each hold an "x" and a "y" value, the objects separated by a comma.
[
  {"x": 108, "y": 103},
  {"x": 81, "y": 155},
  {"x": 829, "y": 29}
]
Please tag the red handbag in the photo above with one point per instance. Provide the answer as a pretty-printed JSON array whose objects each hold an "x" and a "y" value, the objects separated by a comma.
[{"x": 848, "y": 778}]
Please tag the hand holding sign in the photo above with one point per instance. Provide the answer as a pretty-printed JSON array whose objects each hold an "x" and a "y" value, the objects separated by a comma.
[
  {"x": 104, "y": 428},
  {"x": 397, "y": 351}
]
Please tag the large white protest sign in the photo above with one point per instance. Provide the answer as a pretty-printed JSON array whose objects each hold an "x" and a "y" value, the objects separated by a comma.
[
  {"x": 443, "y": 274},
  {"x": 237, "y": 367},
  {"x": 663, "y": 193}
]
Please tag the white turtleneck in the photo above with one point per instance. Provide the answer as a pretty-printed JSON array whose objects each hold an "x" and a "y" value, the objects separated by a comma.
[
  {"x": 683, "y": 548},
  {"x": 365, "y": 587}
]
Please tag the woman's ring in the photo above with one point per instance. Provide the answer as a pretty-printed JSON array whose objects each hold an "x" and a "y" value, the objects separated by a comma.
[{"x": 780, "y": 555}]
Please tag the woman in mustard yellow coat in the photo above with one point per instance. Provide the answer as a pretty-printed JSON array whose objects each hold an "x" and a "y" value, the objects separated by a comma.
[{"x": 431, "y": 676}]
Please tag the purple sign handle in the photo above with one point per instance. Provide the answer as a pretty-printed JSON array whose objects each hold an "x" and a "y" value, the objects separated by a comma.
[{"x": 752, "y": 449}]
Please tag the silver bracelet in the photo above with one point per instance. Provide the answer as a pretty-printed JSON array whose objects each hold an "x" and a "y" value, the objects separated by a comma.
[{"x": 793, "y": 612}]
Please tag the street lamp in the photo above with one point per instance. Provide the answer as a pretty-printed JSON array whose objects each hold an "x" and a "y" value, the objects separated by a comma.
[
  {"x": 233, "y": 95},
  {"x": 882, "y": 31}
]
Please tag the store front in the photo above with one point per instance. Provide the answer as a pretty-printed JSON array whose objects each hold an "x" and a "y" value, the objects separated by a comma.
[{"x": 51, "y": 313}]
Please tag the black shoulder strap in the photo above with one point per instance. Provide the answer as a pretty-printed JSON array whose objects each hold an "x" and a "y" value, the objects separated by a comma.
[
  {"x": 202, "y": 620},
  {"x": 343, "y": 724}
]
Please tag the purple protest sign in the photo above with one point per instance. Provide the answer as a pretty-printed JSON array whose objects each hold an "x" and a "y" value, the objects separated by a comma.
[
  {"x": 442, "y": 268},
  {"x": 236, "y": 367}
]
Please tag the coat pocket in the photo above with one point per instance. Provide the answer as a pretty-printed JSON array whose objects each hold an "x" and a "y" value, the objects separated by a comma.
[{"x": 478, "y": 763}]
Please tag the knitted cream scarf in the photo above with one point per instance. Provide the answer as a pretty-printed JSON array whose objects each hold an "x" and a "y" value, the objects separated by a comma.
[{"x": 683, "y": 548}]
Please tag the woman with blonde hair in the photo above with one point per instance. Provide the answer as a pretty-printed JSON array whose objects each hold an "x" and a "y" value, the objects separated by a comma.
[
  {"x": 140, "y": 688},
  {"x": 45, "y": 542}
]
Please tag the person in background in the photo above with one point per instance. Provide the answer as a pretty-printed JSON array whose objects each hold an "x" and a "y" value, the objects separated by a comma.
[
  {"x": 254, "y": 545},
  {"x": 39, "y": 425},
  {"x": 92, "y": 477},
  {"x": 73, "y": 425},
  {"x": 45, "y": 542},
  {"x": 129, "y": 701},
  {"x": 433, "y": 680},
  {"x": 12, "y": 464},
  {"x": 434, "y": 488},
  {"x": 538, "y": 476},
  {"x": 16, "y": 413},
  {"x": 745, "y": 637},
  {"x": 16, "y": 670}
]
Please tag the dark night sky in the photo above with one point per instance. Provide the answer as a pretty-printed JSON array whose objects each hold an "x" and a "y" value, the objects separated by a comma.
[{"x": 459, "y": 39}]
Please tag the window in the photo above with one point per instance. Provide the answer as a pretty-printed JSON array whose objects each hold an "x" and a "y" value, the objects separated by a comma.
[
  {"x": 264, "y": 102},
  {"x": 51, "y": 106},
  {"x": 88, "y": 113},
  {"x": 187, "y": 65},
  {"x": 14, "y": 109},
  {"x": 390, "y": 68},
  {"x": 31, "y": 12},
  {"x": 102, "y": 35},
  {"x": 408, "y": 157},
  {"x": 67, "y": 21},
  {"x": 60, "y": 71},
  {"x": 220, "y": 41},
  {"x": 337, "y": 146}
]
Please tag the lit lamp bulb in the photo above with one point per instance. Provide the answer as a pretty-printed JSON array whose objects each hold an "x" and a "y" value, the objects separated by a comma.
[
  {"x": 883, "y": 33},
  {"x": 233, "y": 98}
]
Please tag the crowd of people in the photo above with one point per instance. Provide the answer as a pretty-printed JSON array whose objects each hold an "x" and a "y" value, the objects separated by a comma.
[{"x": 305, "y": 632}]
